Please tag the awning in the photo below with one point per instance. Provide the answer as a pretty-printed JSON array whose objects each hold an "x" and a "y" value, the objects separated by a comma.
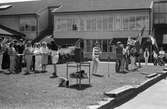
[
  {"x": 123, "y": 40},
  {"x": 66, "y": 41},
  {"x": 6, "y": 31}
]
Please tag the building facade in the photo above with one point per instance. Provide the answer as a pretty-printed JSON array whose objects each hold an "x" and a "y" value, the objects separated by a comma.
[
  {"x": 29, "y": 18},
  {"x": 160, "y": 22},
  {"x": 102, "y": 25}
]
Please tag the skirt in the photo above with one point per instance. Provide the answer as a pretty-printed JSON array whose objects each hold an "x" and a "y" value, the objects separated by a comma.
[
  {"x": 44, "y": 59},
  {"x": 55, "y": 57},
  {"x": 38, "y": 62},
  {"x": 5, "y": 61}
]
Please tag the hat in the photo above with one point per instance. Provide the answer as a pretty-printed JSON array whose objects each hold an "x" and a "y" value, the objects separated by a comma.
[
  {"x": 119, "y": 42},
  {"x": 44, "y": 43}
]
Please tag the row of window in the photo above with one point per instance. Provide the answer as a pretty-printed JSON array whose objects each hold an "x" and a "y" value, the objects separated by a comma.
[
  {"x": 27, "y": 28},
  {"x": 105, "y": 45},
  {"x": 160, "y": 18},
  {"x": 101, "y": 23}
]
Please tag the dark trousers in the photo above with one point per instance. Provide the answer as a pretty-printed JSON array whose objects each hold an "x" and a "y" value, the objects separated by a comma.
[
  {"x": 155, "y": 61},
  {"x": 118, "y": 65},
  {"x": 33, "y": 63}
]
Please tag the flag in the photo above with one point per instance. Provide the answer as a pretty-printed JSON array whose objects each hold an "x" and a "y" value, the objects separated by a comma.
[
  {"x": 78, "y": 42},
  {"x": 139, "y": 37},
  {"x": 153, "y": 41}
]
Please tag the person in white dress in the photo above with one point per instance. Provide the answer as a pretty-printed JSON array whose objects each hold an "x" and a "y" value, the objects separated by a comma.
[
  {"x": 146, "y": 56},
  {"x": 162, "y": 56},
  {"x": 37, "y": 53},
  {"x": 28, "y": 53},
  {"x": 12, "y": 53},
  {"x": 44, "y": 59}
]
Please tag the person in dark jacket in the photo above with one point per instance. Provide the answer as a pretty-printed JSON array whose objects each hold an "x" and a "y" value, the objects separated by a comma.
[{"x": 119, "y": 55}]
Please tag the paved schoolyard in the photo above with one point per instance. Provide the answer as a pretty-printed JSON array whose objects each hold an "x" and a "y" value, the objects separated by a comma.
[
  {"x": 153, "y": 98},
  {"x": 38, "y": 91}
]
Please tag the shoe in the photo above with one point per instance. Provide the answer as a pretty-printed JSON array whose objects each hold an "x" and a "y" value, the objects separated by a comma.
[
  {"x": 27, "y": 73},
  {"x": 54, "y": 75}
]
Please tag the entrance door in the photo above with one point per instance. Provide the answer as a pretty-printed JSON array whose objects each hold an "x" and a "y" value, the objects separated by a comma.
[{"x": 161, "y": 34}]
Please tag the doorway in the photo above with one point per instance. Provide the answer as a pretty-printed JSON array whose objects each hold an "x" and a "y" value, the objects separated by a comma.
[{"x": 160, "y": 30}]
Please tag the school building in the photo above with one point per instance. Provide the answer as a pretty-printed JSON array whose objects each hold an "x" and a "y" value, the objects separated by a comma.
[
  {"x": 105, "y": 21},
  {"x": 160, "y": 22},
  {"x": 28, "y": 18}
]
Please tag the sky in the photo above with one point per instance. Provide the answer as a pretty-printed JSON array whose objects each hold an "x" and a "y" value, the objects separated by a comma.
[{"x": 9, "y": 1}]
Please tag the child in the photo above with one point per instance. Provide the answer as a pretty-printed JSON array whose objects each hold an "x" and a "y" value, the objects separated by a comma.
[
  {"x": 95, "y": 57},
  {"x": 146, "y": 56},
  {"x": 55, "y": 59}
]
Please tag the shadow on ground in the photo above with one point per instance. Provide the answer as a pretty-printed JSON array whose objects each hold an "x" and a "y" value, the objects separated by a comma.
[
  {"x": 121, "y": 100},
  {"x": 80, "y": 87}
]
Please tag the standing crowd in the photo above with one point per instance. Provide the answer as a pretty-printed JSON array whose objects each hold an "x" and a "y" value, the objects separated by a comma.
[
  {"x": 16, "y": 54},
  {"x": 129, "y": 56}
]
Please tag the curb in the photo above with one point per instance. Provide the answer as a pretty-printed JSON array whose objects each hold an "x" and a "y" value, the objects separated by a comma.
[{"x": 121, "y": 95}]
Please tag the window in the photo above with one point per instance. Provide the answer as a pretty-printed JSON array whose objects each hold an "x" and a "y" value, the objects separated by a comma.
[
  {"x": 132, "y": 24},
  {"x": 74, "y": 27},
  {"x": 89, "y": 45},
  {"x": 33, "y": 28},
  {"x": 105, "y": 46},
  {"x": 27, "y": 24},
  {"x": 101, "y": 23},
  {"x": 27, "y": 28}
]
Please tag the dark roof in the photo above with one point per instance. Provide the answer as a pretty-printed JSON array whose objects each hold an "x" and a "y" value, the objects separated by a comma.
[
  {"x": 28, "y": 7},
  {"x": 94, "y": 5},
  {"x": 11, "y": 32}
]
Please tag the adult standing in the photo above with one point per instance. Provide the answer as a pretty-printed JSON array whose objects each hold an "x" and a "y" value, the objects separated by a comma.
[
  {"x": 28, "y": 52},
  {"x": 155, "y": 56},
  {"x": 161, "y": 56},
  {"x": 133, "y": 58},
  {"x": 19, "y": 49},
  {"x": 95, "y": 57},
  {"x": 5, "y": 56},
  {"x": 146, "y": 56},
  {"x": 119, "y": 55},
  {"x": 44, "y": 58},
  {"x": 38, "y": 56},
  {"x": 12, "y": 53},
  {"x": 140, "y": 57}
]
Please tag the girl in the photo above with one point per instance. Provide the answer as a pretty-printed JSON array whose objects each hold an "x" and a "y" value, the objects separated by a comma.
[
  {"x": 146, "y": 56},
  {"x": 95, "y": 57}
]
